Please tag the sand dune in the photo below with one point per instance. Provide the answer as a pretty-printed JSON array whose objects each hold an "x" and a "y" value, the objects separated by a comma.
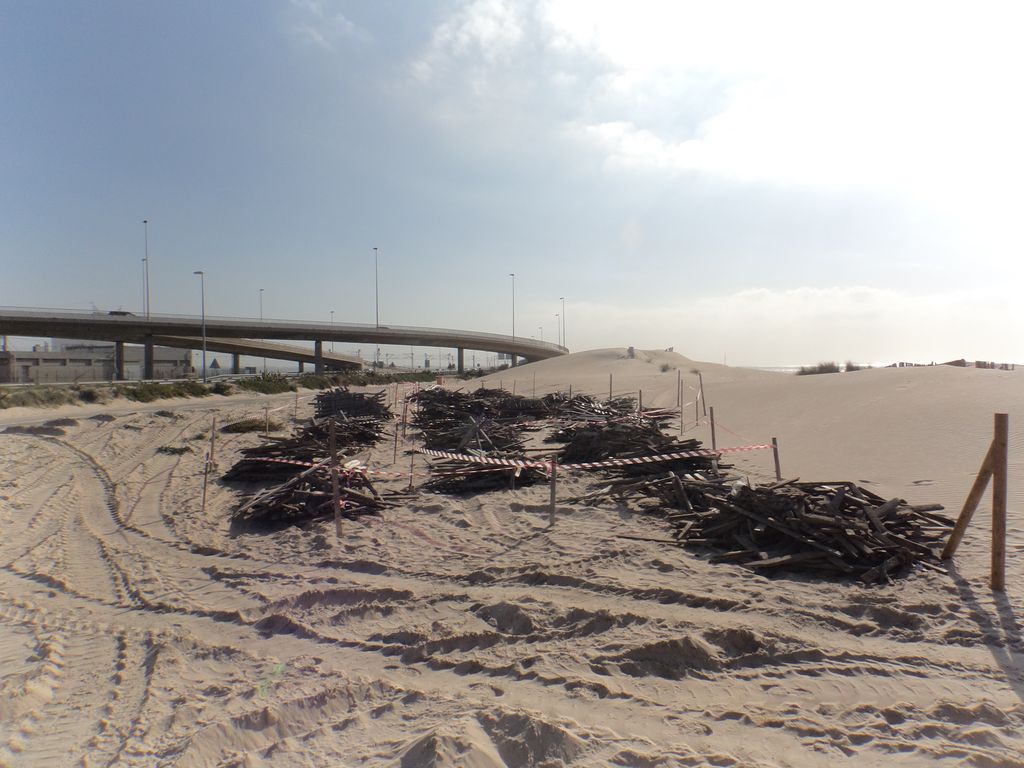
[{"x": 466, "y": 632}]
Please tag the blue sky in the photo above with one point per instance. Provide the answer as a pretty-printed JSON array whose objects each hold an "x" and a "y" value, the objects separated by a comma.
[{"x": 762, "y": 183}]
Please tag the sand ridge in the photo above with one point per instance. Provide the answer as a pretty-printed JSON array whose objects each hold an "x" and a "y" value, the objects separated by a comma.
[{"x": 464, "y": 631}]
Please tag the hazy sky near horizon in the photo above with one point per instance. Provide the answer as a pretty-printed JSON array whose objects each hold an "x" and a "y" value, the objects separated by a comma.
[{"x": 766, "y": 183}]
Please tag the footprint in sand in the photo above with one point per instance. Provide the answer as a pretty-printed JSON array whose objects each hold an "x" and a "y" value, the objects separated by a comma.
[{"x": 922, "y": 482}]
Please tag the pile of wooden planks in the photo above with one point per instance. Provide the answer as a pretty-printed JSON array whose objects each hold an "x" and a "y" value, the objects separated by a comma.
[
  {"x": 627, "y": 437},
  {"x": 308, "y": 445},
  {"x": 340, "y": 400},
  {"x": 306, "y": 496},
  {"x": 581, "y": 407},
  {"x": 486, "y": 422},
  {"x": 833, "y": 528}
]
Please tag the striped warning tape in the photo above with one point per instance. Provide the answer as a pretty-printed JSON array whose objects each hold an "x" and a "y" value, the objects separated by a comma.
[
  {"x": 493, "y": 460},
  {"x": 590, "y": 464},
  {"x": 661, "y": 457},
  {"x": 377, "y": 472}
]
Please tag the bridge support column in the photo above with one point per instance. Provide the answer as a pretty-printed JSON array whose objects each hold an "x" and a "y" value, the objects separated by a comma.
[
  {"x": 147, "y": 358},
  {"x": 236, "y": 362},
  {"x": 302, "y": 366},
  {"x": 318, "y": 351},
  {"x": 119, "y": 361},
  {"x": 461, "y": 357}
]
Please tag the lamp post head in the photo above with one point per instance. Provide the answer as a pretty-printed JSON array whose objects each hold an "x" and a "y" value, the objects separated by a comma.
[{"x": 198, "y": 272}]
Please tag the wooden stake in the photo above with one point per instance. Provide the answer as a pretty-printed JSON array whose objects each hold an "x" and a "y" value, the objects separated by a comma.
[
  {"x": 999, "y": 461},
  {"x": 640, "y": 403},
  {"x": 679, "y": 389},
  {"x": 412, "y": 468},
  {"x": 554, "y": 484},
  {"x": 534, "y": 383},
  {"x": 266, "y": 420},
  {"x": 609, "y": 387},
  {"x": 703, "y": 402},
  {"x": 395, "y": 457},
  {"x": 213, "y": 441},
  {"x": 335, "y": 485},
  {"x": 970, "y": 505},
  {"x": 714, "y": 443},
  {"x": 775, "y": 453},
  {"x": 295, "y": 415}
]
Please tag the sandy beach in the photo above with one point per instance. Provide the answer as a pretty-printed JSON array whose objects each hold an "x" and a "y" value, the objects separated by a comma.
[{"x": 135, "y": 630}]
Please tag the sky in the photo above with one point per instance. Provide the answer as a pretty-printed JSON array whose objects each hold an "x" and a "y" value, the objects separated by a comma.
[{"x": 757, "y": 183}]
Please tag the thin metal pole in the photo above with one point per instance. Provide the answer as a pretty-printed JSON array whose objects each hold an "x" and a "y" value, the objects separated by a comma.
[
  {"x": 145, "y": 228},
  {"x": 202, "y": 294},
  {"x": 261, "y": 323},
  {"x": 513, "y": 276},
  {"x": 376, "y": 305}
]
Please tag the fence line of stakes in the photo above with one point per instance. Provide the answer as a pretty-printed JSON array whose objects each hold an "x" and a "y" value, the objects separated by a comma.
[{"x": 994, "y": 468}]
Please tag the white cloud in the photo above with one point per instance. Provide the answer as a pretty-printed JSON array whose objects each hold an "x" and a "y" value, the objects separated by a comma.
[{"x": 317, "y": 24}]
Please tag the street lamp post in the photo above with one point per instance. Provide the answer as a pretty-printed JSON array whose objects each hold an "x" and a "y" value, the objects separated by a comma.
[
  {"x": 558, "y": 328},
  {"x": 261, "y": 323},
  {"x": 202, "y": 299},
  {"x": 541, "y": 329},
  {"x": 513, "y": 276},
  {"x": 376, "y": 304},
  {"x": 145, "y": 262}
]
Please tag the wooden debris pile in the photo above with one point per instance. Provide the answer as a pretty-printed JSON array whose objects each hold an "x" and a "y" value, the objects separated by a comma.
[
  {"x": 340, "y": 400},
  {"x": 310, "y": 444},
  {"x": 486, "y": 422},
  {"x": 585, "y": 407},
  {"x": 308, "y": 496},
  {"x": 827, "y": 528},
  {"x": 627, "y": 438}
]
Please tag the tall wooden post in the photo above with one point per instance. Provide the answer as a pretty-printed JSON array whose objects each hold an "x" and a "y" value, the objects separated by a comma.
[
  {"x": 703, "y": 402},
  {"x": 714, "y": 442},
  {"x": 775, "y": 454},
  {"x": 994, "y": 468},
  {"x": 609, "y": 387},
  {"x": 999, "y": 462}
]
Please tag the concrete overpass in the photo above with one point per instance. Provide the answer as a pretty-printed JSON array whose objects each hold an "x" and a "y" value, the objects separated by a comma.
[{"x": 187, "y": 330}]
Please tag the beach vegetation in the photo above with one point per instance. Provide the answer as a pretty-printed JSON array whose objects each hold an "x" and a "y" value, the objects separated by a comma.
[
  {"x": 267, "y": 383},
  {"x": 253, "y": 424},
  {"x": 810, "y": 370},
  {"x": 37, "y": 396},
  {"x": 148, "y": 391}
]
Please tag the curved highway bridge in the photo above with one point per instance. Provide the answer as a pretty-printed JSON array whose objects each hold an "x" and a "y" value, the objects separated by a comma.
[{"x": 247, "y": 336}]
